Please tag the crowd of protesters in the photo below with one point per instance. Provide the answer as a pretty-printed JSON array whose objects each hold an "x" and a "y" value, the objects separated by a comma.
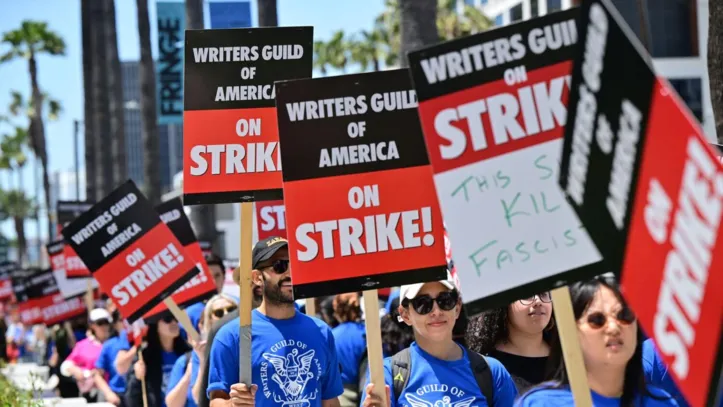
[{"x": 434, "y": 355}]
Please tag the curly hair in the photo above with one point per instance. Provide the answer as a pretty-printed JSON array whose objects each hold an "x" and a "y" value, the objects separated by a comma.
[
  {"x": 347, "y": 308},
  {"x": 491, "y": 327}
]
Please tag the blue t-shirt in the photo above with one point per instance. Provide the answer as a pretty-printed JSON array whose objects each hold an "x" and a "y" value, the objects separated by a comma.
[
  {"x": 106, "y": 361},
  {"x": 656, "y": 372},
  {"x": 194, "y": 313},
  {"x": 541, "y": 397},
  {"x": 179, "y": 369},
  {"x": 168, "y": 359},
  {"x": 351, "y": 346},
  {"x": 293, "y": 360},
  {"x": 435, "y": 382}
]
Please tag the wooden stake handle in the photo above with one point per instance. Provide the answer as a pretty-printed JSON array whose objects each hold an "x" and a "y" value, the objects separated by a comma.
[
  {"x": 374, "y": 344},
  {"x": 246, "y": 293},
  {"x": 182, "y": 318},
  {"x": 311, "y": 307}
]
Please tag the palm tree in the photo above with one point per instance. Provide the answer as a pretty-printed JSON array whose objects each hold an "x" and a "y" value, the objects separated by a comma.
[
  {"x": 715, "y": 63},
  {"x": 334, "y": 53},
  {"x": 151, "y": 170},
  {"x": 366, "y": 50},
  {"x": 12, "y": 147},
  {"x": 203, "y": 217},
  {"x": 16, "y": 206},
  {"x": 89, "y": 136},
  {"x": 453, "y": 24},
  {"x": 34, "y": 38},
  {"x": 267, "y": 13},
  {"x": 418, "y": 22}
]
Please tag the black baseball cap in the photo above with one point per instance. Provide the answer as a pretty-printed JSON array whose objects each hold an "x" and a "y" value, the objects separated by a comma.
[{"x": 266, "y": 248}]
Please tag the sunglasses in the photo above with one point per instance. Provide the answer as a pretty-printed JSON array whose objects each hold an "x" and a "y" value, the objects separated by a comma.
[
  {"x": 597, "y": 320},
  {"x": 219, "y": 313},
  {"x": 102, "y": 322},
  {"x": 279, "y": 266},
  {"x": 423, "y": 304},
  {"x": 544, "y": 297},
  {"x": 168, "y": 319}
]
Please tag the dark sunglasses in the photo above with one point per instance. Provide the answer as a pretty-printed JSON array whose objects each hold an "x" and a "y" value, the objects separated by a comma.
[
  {"x": 423, "y": 304},
  {"x": 597, "y": 320},
  {"x": 168, "y": 319},
  {"x": 219, "y": 313},
  {"x": 544, "y": 297},
  {"x": 102, "y": 322},
  {"x": 279, "y": 266}
]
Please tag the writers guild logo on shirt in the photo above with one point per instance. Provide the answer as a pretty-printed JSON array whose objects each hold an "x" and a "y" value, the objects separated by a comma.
[
  {"x": 296, "y": 372},
  {"x": 415, "y": 400}
]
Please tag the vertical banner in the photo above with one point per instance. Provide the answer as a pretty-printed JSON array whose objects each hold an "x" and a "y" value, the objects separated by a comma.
[
  {"x": 355, "y": 142},
  {"x": 231, "y": 140},
  {"x": 230, "y": 14},
  {"x": 493, "y": 110},
  {"x": 171, "y": 18},
  {"x": 270, "y": 219},
  {"x": 649, "y": 189},
  {"x": 135, "y": 257}
]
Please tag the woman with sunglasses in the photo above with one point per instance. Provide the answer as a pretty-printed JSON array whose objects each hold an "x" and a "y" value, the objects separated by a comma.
[
  {"x": 164, "y": 345},
  {"x": 184, "y": 388},
  {"x": 438, "y": 370},
  {"x": 80, "y": 364},
  {"x": 519, "y": 336},
  {"x": 612, "y": 350}
]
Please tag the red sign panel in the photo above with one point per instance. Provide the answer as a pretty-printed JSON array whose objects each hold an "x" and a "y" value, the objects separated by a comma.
[
  {"x": 380, "y": 224},
  {"x": 231, "y": 140},
  {"x": 135, "y": 257},
  {"x": 271, "y": 219},
  {"x": 649, "y": 189}
]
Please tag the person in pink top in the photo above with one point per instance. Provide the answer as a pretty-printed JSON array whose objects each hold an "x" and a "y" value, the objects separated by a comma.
[{"x": 81, "y": 361}]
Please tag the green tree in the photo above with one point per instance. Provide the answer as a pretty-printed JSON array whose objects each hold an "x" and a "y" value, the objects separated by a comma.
[
  {"x": 34, "y": 38},
  {"x": 15, "y": 205},
  {"x": 13, "y": 158},
  {"x": 335, "y": 53}
]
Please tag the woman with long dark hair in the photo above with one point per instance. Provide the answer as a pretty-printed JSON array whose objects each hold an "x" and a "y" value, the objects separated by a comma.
[
  {"x": 164, "y": 345},
  {"x": 612, "y": 348},
  {"x": 519, "y": 336}
]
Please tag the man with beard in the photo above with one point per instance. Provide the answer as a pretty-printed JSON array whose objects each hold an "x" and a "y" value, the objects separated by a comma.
[{"x": 293, "y": 355}]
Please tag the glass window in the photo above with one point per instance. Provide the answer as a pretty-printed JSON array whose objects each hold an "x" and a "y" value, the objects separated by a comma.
[
  {"x": 690, "y": 90},
  {"x": 499, "y": 20},
  {"x": 534, "y": 9},
  {"x": 554, "y": 5},
  {"x": 516, "y": 13}
]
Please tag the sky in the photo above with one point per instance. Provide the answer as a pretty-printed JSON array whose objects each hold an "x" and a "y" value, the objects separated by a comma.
[{"x": 62, "y": 77}]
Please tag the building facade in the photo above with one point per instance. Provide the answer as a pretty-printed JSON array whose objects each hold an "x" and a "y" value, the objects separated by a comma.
[
  {"x": 677, "y": 31},
  {"x": 170, "y": 137}
]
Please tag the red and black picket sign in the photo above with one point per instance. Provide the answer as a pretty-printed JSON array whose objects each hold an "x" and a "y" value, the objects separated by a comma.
[
  {"x": 63, "y": 257},
  {"x": 135, "y": 257},
  {"x": 270, "y": 219},
  {"x": 48, "y": 304},
  {"x": 201, "y": 286},
  {"x": 67, "y": 211},
  {"x": 649, "y": 189},
  {"x": 6, "y": 283},
  {"x": 230, "y": 138},
  {"x": 354, "y": 141}
]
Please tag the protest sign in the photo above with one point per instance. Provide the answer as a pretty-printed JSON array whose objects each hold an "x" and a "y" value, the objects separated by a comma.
[
  {"x": 230, "y": 140},
  {"x": 67, "y": 211},
  {"x": 25, "y": 296},
  {"x": 270, "y": 219},
  {"x": 205, "y": 247},
  {"x": 641, "y": 177},
  {"x": 6, "y": 283},
  {"x": 201, "y": 286},
  {"x": 171, "y": 18},
  {"x": 358, "y": 190},
  {"x": 69, "y": 287},
  {"x": 135, "y": 257},
  {"x": 47, "y": 300},
  {"x": 493, "y": 109}
]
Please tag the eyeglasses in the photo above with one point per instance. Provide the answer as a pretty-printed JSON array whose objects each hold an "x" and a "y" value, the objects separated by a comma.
[
  {"x": 597, "y": 320},
  {"x": 423, "y": 304},
  {"x": 168, "y": 319},
  {"x": 544, "y": 297},
  {"x": 220, "y": 312},
  {"x": 279, "y": 266}
]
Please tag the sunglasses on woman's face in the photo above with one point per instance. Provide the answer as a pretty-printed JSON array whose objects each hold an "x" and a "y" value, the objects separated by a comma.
[
  {"x": 279, "y": 266},
  {"x": 102, "y": 322},
  {"x": 168, "y": 319},
  {"x": 597, "y": 320},
  {"x": 423, "y": 304},
  {"x": 220, "y": 312},
  {"x": 544, "y": 297}
]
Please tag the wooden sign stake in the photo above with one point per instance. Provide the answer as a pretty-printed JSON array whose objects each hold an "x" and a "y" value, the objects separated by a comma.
[
  {"x": 246, "y": 293},
  {"x": 182, "y": 318},
  {"x": 89, "y": 296},
  {"x": 567, "y": 329},
  {"x": 374, "y": 344},
  {"x": 311, "y": 307}
]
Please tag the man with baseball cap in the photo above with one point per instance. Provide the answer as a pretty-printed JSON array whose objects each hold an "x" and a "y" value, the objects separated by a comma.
[{"x": 293, "y": 355}]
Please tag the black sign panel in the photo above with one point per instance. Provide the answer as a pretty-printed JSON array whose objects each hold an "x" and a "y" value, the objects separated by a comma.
[
  {"x": 41, "y": 283},
  {"x": 111, "y": 226},
  {"x": 469, "y": 61},
  {"x": 6, "y": 267},
  {"x": 174, "y": 216},
  {"x": 349, "y": 124},
  {"x": 69, "y": 210},
  {"x": 236, "y": 68},
  {"x": 19, "y": 277}
]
